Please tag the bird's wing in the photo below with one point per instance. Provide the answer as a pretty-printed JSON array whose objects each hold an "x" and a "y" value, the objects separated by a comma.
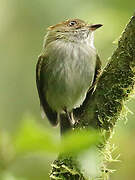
[
  {"x": 97, "y": 70},
  {"x": 96, "y": 75},
  {"x": 51, "y": 115}
]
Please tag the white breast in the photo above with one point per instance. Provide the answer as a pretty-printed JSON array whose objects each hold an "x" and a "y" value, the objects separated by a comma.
[{"x": 70, "y": 73}]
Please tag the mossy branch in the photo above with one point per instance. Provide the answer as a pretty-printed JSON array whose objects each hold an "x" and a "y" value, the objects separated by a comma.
[{"x": 103, "y": 108}]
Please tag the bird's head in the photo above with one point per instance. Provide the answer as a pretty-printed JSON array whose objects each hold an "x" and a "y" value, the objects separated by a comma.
[{"x": 72, "y": 30}]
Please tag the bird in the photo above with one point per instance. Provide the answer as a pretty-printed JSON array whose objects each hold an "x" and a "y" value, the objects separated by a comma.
[{"x": 67, "y": 69}]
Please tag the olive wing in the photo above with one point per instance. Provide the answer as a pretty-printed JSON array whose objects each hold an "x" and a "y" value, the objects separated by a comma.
[{"x": 51, "y": 115}]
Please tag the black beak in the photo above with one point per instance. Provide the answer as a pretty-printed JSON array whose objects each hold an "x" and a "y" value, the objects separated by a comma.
[{"x": 94, "y": 26}]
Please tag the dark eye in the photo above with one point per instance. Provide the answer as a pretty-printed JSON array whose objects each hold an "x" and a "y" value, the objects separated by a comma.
[{"x": 72, "y": 23}]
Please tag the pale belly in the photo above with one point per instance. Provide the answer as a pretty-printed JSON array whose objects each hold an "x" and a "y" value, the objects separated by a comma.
[{"x": 68, "y": 79}]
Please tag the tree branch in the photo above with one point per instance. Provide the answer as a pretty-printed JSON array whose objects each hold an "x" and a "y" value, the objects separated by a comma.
[{"x": 102, "y": 109}]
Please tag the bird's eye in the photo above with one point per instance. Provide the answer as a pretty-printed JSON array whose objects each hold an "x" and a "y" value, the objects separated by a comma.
[{"x": 72, "y": 23}]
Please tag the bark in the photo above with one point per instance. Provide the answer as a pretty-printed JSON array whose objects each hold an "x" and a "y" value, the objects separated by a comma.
[{"x": 103, "y": 108}]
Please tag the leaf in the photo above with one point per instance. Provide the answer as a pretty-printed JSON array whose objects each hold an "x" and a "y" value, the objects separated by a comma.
[
  {"x": 8, "y": 176},
  {"x": 32, "y": 137},
  {"x": 90, "y": 163},
  {"x": 77, "y": 141}
]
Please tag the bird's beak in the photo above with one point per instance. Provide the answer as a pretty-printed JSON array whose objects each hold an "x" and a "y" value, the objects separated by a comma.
[{"x": 94, "y": 27}]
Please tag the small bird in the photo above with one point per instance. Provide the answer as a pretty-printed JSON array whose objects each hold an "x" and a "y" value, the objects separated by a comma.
[{"x": 66, "y": 70}]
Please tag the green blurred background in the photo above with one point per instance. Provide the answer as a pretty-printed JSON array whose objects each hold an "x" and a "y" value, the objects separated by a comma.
[{"x": 22, "y": 28}]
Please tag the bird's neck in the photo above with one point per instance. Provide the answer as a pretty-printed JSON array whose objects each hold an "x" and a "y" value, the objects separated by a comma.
[
  {"x": 51, "y": 37},
  {"x": 91, "y": 39}
]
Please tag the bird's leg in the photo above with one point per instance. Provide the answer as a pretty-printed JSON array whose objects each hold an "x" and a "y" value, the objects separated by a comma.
[
  {"x": 72, "y": 120},
  {"x": 66, "y": 121},
  {"x": 70, "y": 117}
]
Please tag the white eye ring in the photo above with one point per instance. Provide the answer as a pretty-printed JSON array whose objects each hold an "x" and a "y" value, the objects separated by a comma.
[{"x": 72, "y": 23}]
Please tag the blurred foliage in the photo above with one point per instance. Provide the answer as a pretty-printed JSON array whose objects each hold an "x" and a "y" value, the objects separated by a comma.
[
  {"x": 31, "y": 138},
  {"x": 28, "y": 146},
  {"x": 76, "y": 141}
]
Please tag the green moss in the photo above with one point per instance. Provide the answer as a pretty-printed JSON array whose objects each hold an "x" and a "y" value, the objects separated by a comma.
[
  {"x": 102, "y": 109},
  {"x": 66, "y": 168}
]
